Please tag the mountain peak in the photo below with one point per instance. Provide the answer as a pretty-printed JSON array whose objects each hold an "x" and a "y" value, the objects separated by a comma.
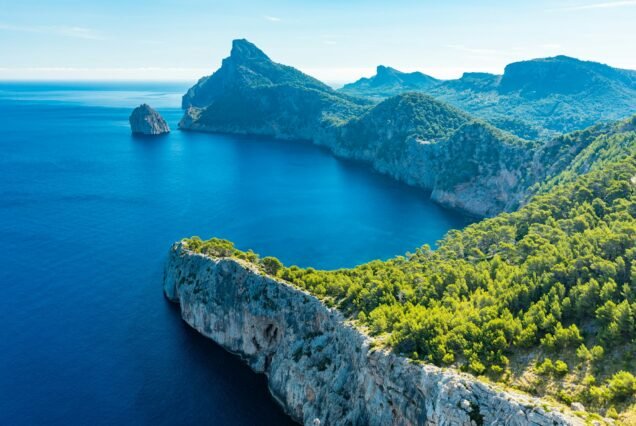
[
  {"x": 243, "y": 49},
  {"x": 561, "y": 74},
  {"x": 381, "y": 69}
]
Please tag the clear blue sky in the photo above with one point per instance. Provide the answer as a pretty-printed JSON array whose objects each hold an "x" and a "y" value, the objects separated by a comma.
[{"x": 335, "y": 40}]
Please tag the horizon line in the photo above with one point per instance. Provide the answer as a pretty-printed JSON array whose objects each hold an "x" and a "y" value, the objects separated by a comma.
[{"x": 333, "y": 76}]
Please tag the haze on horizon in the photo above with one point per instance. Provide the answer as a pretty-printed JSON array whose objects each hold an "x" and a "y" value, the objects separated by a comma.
[{"x": 331, "y": 40}]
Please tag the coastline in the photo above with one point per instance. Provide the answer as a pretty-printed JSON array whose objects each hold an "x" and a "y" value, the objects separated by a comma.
[{"x": 258, "y": 318}]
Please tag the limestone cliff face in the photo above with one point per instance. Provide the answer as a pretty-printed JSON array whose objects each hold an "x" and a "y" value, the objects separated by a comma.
[
  {"x": 476, "y": 168},
  {"x": 320, "y": 368}
]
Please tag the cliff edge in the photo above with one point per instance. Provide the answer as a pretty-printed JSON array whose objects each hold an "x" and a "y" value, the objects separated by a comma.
[{"x": 320, "y": 368}]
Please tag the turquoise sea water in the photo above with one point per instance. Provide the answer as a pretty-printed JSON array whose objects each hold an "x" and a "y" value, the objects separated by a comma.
[{"x": 87, "y": 215}]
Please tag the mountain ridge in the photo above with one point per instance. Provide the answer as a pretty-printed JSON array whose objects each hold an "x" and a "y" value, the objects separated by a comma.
[
  {"x": 386, "y": 80},
  {"x": 536, "y": 98}
]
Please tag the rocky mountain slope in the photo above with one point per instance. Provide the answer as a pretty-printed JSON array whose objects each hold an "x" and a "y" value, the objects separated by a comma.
[
  {"x": 321, "y": 369},
  {"x": 466, "y": 163},
  {"x": 389, "y": 82},
  {"x": 252, "y": 94}
]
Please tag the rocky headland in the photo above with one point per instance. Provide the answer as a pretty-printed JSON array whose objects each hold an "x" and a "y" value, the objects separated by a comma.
[{"x": 320, "y": 368}]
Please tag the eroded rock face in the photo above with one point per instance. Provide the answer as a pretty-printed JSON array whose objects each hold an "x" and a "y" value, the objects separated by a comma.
[
  {"x": 144, "y": 120},
  {"x": 321, "y": 369}
]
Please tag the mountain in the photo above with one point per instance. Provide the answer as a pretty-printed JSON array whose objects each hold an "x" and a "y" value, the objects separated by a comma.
[
  {"x": 466, "y": 163},
  {"x": 389, "y": 82},
  {"x": 539, "y": 98},
  {"x": 252, "y": 94},
  {"x": 247, "y": 66},
  {"x": 411, "y": 137},
  {"x": 564, "y": 75}
]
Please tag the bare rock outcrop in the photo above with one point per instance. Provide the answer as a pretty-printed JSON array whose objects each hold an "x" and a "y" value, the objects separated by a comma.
[{"x": 144, "y": 120}]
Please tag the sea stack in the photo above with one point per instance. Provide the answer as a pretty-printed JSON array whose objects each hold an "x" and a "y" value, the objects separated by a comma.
[{"x": 146, "y": 121}]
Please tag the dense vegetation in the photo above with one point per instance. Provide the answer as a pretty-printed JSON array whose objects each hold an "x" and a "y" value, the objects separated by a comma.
[
  {"x": 543, "y": 298},
  {"x": 385, "y": 129},
  {"x": 570, "y": 155}
]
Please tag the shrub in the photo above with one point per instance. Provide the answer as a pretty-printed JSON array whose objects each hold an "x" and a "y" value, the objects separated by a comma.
[
  {"x": 583, "y": 353},
  {"x": 597, "y": 353},
  {"x": 545, "y": 368},
  {"x": 561, "y": 368},
  {"x": 271, "y": 265},
  {"x": 622, "y": 386},
  {"x": 612, "y": 413}
]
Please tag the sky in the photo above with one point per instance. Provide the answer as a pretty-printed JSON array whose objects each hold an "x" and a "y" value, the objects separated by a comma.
[{"x": 336, "y": 41}]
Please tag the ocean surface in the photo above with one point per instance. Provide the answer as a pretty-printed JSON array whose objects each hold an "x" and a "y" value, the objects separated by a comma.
[{"x": 87, "y": 216}]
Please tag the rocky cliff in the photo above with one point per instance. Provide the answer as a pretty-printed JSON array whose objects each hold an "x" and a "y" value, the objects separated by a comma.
[
  {"x": 320, "y": 368},
  {"x": 145, "y": 120},
  {"x": 467, "y": 164}
]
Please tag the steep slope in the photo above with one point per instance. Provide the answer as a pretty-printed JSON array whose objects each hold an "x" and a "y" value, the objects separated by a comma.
[
  {"x": 389, "y": 82},
  {"x": 252, "y": 94},
  {"x": 467, "y": 164},
  {"x": 320, "y": 368},
  {"x": 246, "y": 67},
  {"x": 566, "y": 157}
]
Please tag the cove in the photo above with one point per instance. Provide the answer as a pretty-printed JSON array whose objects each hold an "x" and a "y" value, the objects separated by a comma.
[{"x": 87, "y": 215}]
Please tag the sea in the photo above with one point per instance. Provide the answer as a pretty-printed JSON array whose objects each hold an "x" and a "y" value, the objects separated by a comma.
[{"x": 88, "y": 213}]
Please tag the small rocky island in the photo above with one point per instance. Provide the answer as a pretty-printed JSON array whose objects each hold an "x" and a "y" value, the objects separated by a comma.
[{"x": 144, "y": 120}]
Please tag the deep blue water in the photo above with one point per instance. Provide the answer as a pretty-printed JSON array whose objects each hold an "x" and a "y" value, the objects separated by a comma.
[{"x": 87, "y": 215}]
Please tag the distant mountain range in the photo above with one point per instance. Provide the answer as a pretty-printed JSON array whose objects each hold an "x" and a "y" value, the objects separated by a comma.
[
  {"x": 390, "y": 82},
  {"x": 535, "y": 99},
  {"x": 465, "y": 161}
]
